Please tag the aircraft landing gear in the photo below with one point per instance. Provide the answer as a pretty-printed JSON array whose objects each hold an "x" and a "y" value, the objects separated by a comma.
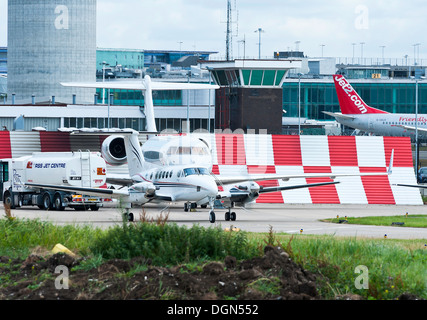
[
  {"x": 211, "y": 212},
  {"x": 189, "y": 206},
  {"x": 212, "y": 216},
  {"x": 128, "y": 216},
  {"x": 230, "y": 215}
]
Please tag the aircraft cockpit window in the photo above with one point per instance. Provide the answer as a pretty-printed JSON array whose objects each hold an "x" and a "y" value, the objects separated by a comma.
[
  {"x": 153, "y": 156},
  {"x": 190, "y": 171},
  {"x": 203, "y": 171}
]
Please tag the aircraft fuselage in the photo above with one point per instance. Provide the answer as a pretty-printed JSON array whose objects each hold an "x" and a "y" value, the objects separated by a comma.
[{"x": 387, "y": 124}]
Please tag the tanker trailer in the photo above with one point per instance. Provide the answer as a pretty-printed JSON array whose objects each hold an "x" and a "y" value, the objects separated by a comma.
[{"x": 77, "y": 169}]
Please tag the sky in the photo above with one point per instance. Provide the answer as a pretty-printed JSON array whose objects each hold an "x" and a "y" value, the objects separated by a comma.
[{"x": 335, "y": 27}]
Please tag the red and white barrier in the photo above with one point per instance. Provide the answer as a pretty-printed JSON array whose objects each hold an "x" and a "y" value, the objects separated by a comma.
[{"x": 247, "y": 153}]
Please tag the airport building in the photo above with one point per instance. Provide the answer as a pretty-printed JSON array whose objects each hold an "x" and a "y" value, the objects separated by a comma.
[
  {"x": 254, "y": 94},
  {"x": 49, "y": 43}
]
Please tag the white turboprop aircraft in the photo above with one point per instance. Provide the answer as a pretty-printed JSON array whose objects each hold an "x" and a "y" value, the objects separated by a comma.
[
  {"x": 153, "y": 183},
  {"x": 182, "y": 174},
  {"x": 355, "y": 113}
]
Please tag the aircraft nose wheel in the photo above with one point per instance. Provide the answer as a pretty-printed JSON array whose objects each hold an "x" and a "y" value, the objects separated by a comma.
[{"x": 212, "y": 217}]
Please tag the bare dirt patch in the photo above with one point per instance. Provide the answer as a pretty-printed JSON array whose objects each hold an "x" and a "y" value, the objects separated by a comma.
[{"x": 273, "y": 276}]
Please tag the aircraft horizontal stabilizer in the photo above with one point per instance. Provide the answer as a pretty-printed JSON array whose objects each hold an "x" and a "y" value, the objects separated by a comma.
[{"x": 339, "y": 115}]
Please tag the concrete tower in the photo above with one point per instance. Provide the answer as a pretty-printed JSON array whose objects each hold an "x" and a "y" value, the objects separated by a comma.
[{"x": 49, "y": 42}]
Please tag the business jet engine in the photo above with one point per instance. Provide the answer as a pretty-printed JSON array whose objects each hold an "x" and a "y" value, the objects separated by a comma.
[{"x": 113, "y": 150}]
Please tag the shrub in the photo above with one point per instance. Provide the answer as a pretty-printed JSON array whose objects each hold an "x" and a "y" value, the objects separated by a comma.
[{"x": 170, "y": 243}]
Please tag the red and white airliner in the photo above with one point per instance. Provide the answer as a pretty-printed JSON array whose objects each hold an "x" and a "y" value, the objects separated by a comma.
[{"x": 355, "y": 113}]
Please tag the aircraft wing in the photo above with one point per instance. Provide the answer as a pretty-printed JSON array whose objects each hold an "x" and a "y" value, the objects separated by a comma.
[
  {"x": 236, "y": 179},
  {"x": 411, "y": 185},
  {"x": 140, "y": 85},
  {"x": 282, "y": 188},
  {"x": 119, "y": 179},
  {"x": 97, "y": 192},
  {"x": 339, "y": 115},
  {"x": 220, "y": 180},
  {"x": 413, "y": 128}
]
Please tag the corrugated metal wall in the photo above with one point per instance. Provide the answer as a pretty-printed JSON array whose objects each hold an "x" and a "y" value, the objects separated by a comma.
[{"x": 257, "y": 154}]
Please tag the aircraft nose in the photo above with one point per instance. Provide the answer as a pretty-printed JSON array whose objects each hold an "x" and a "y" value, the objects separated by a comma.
[{"x": 212, "y": 188}]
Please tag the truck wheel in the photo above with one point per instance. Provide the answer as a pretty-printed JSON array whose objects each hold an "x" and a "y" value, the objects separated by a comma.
[
  {"x": 47, "y": 202},
  {"x": 57, "y": 202},
  {"x": 8, "y": 200}
]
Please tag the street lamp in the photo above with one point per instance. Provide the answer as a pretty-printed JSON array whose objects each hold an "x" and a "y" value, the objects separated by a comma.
[
  {"x": 299, "y": 103},
  {"x": 361, "y": 52},
  {"x": 382, "y": 47},
  {"x": 104, "y": 63},
  {"x": 416, "y": 125},
  {"x": 259, "y": 30},
  {"x": 322, "y": 45}
]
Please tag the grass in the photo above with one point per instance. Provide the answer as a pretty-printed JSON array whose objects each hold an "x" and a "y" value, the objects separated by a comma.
[
  {"x": 415, "y": 221},
  {"x": 393, "y": 266}
]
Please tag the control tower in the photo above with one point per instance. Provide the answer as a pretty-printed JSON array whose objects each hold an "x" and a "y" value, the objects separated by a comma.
[{"x": 250, "y": 93}]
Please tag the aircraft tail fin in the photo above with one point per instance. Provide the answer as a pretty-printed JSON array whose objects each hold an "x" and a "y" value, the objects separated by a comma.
[
  {"x": 350, "y": 102},
  {"x": 148, "y": 106},
  {"x": 135, "y": 158}
]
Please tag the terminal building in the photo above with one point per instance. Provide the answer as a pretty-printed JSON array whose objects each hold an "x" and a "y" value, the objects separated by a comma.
[{"x": 273, "y": 94}]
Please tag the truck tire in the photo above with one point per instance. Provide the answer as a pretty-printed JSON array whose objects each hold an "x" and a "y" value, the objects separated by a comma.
[
  {"x": 47, "y": 201},
  {"x": 8, "y": 200},
  {"x": 57, "y": 202}
]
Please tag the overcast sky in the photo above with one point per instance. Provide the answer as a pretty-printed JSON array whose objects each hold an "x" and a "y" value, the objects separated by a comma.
[{"x": 201, "y": 25}]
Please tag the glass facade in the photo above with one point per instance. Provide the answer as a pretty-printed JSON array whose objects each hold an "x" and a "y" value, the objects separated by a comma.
[
  {"x": 248, "y": 77},
  {"x": 127, "y": 58},
  {"x": 394, "y": 97},
  {"x": 138, "y": 124},
  {"x": 136, "y": 98}
]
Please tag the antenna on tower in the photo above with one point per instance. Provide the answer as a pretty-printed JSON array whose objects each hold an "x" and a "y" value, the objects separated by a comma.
[{"x": 229, "y": 32}]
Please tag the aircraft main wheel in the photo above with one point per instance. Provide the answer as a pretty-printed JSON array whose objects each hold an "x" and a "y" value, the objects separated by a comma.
[
  {"x": 186, "y": 207},
  {"x": 212, "y": 217},
  {"x": 233, "y": 216},
  {"x": 128, "y": 216},
  {"x": 227, "y": 216},
  {"x": 204, "y": 205}
]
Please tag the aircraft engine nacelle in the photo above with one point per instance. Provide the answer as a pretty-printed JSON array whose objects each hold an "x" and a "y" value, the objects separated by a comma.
[
  {"x": 253, "y": 189},
  {"x": 248, "y": 192},
  {"x": 145, "y": 187},
  {"x": 113, "y": 150}
]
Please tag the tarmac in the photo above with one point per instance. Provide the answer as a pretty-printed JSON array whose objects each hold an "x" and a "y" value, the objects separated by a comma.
[{"x": 286, "y": 218}]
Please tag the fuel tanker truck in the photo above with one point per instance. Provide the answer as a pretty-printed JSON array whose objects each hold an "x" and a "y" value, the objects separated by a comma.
[{"x": 77, "y": 169}]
